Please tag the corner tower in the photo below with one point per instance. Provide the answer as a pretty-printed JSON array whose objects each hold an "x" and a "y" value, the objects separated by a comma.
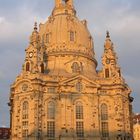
[
  {"x": 59, "y": 95},
  {"x": 109, "y": 60}
]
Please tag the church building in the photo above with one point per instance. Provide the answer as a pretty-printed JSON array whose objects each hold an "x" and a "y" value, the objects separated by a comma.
[{"x": 59, "y": 94}]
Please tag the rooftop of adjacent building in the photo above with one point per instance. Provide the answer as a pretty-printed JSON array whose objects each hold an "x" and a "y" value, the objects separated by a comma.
[
  {"x": 136, "y": 118},
  {"x": 4, "y": 133}
]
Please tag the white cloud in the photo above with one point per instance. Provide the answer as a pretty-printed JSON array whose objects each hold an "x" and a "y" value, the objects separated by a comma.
[
  {"x": 10, "y": 30},
  {"x": 13, "y": 29},
  {"x": 126, "y": 25},
  {"x": 2, "y": 20}
]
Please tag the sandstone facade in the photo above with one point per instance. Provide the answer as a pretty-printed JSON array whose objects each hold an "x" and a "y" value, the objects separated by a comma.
[{"x": 59, "y": 95}]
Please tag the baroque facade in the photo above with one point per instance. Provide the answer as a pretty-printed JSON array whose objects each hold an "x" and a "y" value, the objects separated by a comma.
[
  {"x": 4, "y": 133},
  {"x": 136, "y": 126},
  {"x": 59, "y": 95},
  {"x": 136, "y": 130}
]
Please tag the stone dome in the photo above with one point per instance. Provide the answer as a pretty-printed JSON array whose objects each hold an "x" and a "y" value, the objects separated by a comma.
[{"x": 65, "y": 34}]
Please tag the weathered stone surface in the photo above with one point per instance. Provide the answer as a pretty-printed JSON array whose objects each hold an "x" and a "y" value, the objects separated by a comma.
[{"x": 60, "y": 71}]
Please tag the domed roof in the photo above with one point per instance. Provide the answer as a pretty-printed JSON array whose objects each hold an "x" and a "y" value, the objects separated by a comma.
[{"x": 64, "y": 31}]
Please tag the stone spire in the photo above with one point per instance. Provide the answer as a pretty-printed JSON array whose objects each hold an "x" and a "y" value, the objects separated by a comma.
[
  {"x": 109, "y": 53},
  {"x": 35, "y": 38},
  {"x": 109, "y": 59},
  {"x": 34, "y": 61},
  {"x": 108, "y": 43},
  {"x": 107, "y": 34}
]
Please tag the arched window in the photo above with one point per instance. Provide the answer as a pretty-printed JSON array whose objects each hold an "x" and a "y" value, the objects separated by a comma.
[
  {"x": 81, "y": 67},
  {"x": 79, "y": 120},
  {"x": 47, "y": 38},
  {"x": 42, "y": 68},
  {"x": 27, "y": 66},
  {"x": 25, "y": 117},
  {"x": 104, "y": 121},
  {"x": 106, "y": 73},
  {"x": 75, "y": 67},
  {"x": 119, "y": 72},
  {"x": 51, "y": 120},
  {"x": 51, "y": 110},
  {"x": 71, "y": 36},
  {"x": 104, "y": 112},
  {"x": 25, "y": 107},
  {"x": 79, "y": 110}
]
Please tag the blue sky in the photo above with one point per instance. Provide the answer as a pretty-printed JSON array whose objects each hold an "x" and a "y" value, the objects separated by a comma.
[{"x": 120, "y": 17}]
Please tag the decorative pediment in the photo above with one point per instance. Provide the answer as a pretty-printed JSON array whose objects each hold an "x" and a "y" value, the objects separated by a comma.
[
  {"x": 80, "y": 78},
  {"x": 23, "y": 85},
  {"x": 80, "y": 84}
]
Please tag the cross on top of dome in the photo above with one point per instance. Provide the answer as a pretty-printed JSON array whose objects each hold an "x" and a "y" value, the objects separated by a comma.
[
  {"x": 107, "y": 34},
  {"x": 65, "y": 2},
  {"x": 64, "y": 7},
  {"x": 35, "y": 26}
]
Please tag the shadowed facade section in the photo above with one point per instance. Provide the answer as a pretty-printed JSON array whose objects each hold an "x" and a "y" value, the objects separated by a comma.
[{"x": 59, "y": 94}]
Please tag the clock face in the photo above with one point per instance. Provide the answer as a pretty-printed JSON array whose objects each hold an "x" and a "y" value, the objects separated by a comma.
[
  {"x": 24, "y": 87},
  {"x": 31, "y": 54}
]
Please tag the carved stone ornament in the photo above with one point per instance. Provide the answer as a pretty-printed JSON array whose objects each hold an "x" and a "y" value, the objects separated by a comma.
[
  {"x": 30, "y": 54},
  {"x": 24, "y": 87},
  {"x": 79, "y": 86}
]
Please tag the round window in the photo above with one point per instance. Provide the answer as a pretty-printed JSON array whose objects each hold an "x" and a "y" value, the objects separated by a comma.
[{"x": 24, "y": 87}]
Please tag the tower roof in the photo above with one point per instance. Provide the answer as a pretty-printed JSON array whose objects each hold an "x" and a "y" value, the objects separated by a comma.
[
  {"x": 63, "y": 7},
  {"x": 65, "y": 31},
  {"x": 34, "y": 38},
  {"x": 64, "y": 36}
]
